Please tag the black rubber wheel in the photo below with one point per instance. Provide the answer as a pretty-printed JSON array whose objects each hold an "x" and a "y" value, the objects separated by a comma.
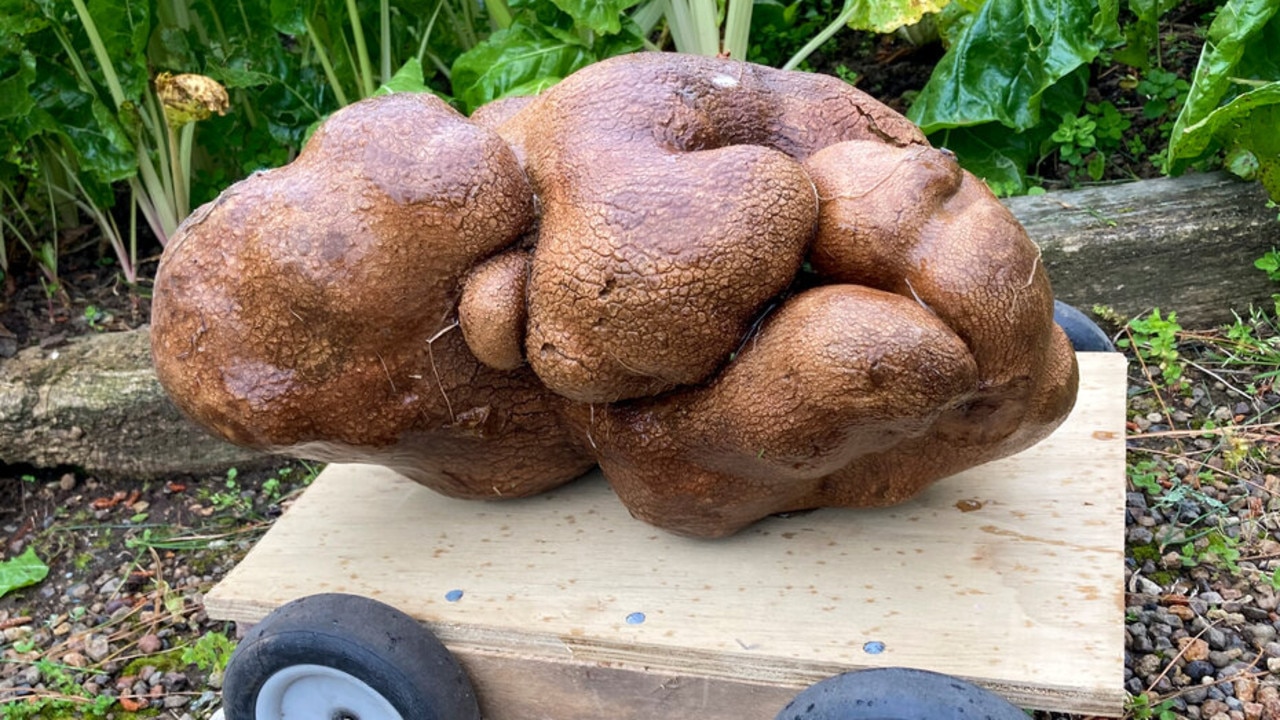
[
  {"x": 897, "y": 694},
  {"x": 344, "y": 656},
  {"x": 1084, "y": 333}
]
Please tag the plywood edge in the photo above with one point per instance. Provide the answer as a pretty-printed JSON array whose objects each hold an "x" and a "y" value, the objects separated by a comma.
[{"x": 509, "y": 649}]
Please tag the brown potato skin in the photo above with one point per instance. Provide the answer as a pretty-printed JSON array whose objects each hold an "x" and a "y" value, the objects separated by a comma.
[
  {"x": 611, "y": 272},
  {"x": 294, "y": 312}
]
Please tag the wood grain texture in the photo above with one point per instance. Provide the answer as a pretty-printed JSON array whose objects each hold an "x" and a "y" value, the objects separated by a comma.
[
  {"x": 1185, "y": 244},
  {"x": 1009, "y": 575}
]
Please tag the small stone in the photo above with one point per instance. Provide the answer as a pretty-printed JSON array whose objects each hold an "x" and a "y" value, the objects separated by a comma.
[
  {"x": 1147, "y": 667},
  {"x": 92, "y": 688},
  {"x": 149, "y": 644},
  {"x": 174, "y": 681},
  {"x": 1211, "y": 597},
  {"x": 1193, "y": 649},
  {"x": 63, "y": 628},
  {"x": 97, "y": 647},
  {"x": 1220, "y": 659},
  {"x": 78, "y": 591},
  {"x": 1139, "y": 535},
  {"x": 110, "y": 587},
  {"x": 1260, "y": 634},
  {"x": 67, "y": 482},
  {"x": 1246, "y": 688},
  {"x": 1213, "y": 706},
  {"x": 1216, "y": 638},
  {"x": 1270, "y": 701},
  {"x": 1182, "y": 612},
  {"x": 1252, "y": 711},
  {"x": 1146, "y": 587},
  {"x": 1196, "y": 695},
  {"x": 29, "y": 675},
  {"x": 74, "y": 659},
  {"x": 173, "y": 702},
  {"x": 1197, "y": 669}
]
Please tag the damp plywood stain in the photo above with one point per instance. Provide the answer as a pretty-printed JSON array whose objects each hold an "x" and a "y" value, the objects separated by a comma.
[{"x": 563, "y": 606}]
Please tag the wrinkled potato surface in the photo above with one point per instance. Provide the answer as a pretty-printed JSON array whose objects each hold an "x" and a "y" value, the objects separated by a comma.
[{"x": 739, "y": 290}]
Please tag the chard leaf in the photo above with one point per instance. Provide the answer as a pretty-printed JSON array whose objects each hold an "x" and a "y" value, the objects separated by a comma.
[
  {"x": 992, "y": 153},
  {"x": 1004, "y": 57},
  {"x": 17, "y": 74},
  {"x": 602, "y": 16},
  {"x": 20, "y": 17},
  {"x": 887, "y": 16},
  {"x": 287, "y": 17},
  {"x": 511, "y": 59},
  {"x": 22, "y": 571},
  {"x": 98, "y": 143},
  {"x": 408, "y": 79},
  {"x": 1246, "y": 126},
  {"x": 1240, "y": 46}
]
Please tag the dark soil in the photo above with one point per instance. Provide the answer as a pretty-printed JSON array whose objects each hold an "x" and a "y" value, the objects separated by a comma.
[
  {"x": 89, "y": 297},
  {"x": 119, "y": 619}
]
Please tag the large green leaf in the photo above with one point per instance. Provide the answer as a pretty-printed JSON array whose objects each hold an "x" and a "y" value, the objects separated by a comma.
[
  {"x": 1239, "y": 46},
  {"x": 992, "y": 153},
  {"x": 23, "y": 571},
  {"x": 17, "y": 74},
  {"x": 602, "y": 16},
  {"x": 1006, "y": 55},
  {"x": 889, "y": 15},
  {"x": 20, "y": 17},
  {"x": 408, "y": 79},
  {"x": 511, "y": 59},
  {"x": 1249, "y": 128},
  {"x": 99, "y": 145}
]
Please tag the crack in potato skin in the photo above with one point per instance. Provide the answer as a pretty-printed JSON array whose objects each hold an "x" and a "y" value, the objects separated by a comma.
[{"x": 610, "y": 273}]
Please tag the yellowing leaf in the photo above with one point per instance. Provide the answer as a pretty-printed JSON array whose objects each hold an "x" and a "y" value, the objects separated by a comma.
[{"x": 887, "y": 16}]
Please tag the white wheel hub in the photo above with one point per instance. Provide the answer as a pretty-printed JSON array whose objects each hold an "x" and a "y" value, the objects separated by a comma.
[{"x": 323, "y": 693}]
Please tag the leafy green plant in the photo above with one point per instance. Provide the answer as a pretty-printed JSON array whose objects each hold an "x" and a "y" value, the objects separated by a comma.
[
  {"x": 1269, "y": 263},
  {"x": 1216, "y": 547},
  {"x": 210, "y": 652},
  {"x": 1139, "y": 707},
  {"x": 1011, "y": 67},
  {"x": 1163, "y": 91},
  {"x": 1155, "y": 339},
  {"x": 1142, "y": 475},
  {"x": 96, "y": 317},
  {"x": 1233, "y": 105}
]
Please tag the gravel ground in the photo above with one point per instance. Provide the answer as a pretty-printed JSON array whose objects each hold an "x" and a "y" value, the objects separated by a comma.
[{"x": 117, "y": 628}]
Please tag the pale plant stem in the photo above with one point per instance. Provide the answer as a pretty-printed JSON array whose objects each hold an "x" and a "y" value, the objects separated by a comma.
[
  {"x": 326, "y": 65},
  {"x": 362, "y": 48},
  {"x": 841, "y": 20}
]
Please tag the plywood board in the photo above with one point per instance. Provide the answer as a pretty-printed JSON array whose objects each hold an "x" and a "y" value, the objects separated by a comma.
[{"x": 1009, "y": 575}]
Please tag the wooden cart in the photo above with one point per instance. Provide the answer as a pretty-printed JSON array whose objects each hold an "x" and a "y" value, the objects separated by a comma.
[{"x": 562, "y": 606}]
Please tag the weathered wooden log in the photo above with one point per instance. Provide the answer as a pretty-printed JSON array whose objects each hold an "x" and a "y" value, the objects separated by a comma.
[
  {"x": 1185, "y": 244},
  {"x": 96, "y": 404}
]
